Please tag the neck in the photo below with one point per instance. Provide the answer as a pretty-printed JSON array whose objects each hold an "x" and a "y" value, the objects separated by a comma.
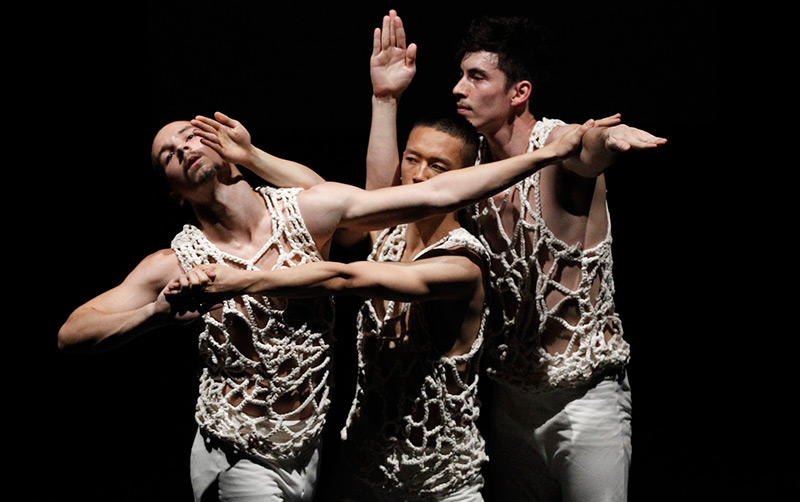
[
  {"x": 232, "y": 212},
  {"x": 511, "y": 138},
  {"x": 423, "y": 233}
]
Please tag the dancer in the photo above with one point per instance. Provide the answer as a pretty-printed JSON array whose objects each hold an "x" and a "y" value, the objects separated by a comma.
[{"x": 556, "y": 351}]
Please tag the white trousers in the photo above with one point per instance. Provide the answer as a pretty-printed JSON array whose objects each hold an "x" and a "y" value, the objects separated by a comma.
[
  {"x": 571, "y": 445},
  {"x": 218, "y": 475}
]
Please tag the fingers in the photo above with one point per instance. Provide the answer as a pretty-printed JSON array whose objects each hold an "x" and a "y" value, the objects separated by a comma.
[
  {"x": 609, "y": 121},
  {"x": 173, "y": 287},
  {"x": 193, "y": 281},
  {"x": 209, "y": 269},
  {"x": 205, "y": 123},
  {"x": 376, "y": 42},
  {"x": 198, "y": 278},
  {"x": 392, "y": 28},
  {"x": 225, "y": 120},
  {"x": 400, "y": 32},
  {"x": 624, "y": 138},
  {"x": 616, "y": 144},
  {"x": 411, "y": 55},
  {"x": 207, "y": 129},
  {"x": 391, "y": 34},
  {"x": 385, "y": 35},
  {"x": 208, "y": 134}
]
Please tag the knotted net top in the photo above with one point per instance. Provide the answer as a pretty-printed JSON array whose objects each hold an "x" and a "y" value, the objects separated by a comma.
[
  {"x": 412, "y": 428},
  {"x": 264, "y": 386},
  {"x": 526, "y": 265}
]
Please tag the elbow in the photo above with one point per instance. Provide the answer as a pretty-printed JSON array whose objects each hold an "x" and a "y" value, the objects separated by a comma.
[
  {"x": 65, "y": 338},
  {"x": 439, "y": 199},
  {"x": 73, "y": 337},
  {"x": 586, "y": 169}
]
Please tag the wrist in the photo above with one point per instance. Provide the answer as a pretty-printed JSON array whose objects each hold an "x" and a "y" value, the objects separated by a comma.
[
  {"x": 253, "y": 157},
  {"x": 386, "y": 99}
]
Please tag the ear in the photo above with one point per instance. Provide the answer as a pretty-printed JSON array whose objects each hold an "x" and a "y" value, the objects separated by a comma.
[{"x": 521, "y": 92}]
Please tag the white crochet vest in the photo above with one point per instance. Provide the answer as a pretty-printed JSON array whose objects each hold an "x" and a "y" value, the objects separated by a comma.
[
  {"x": 412, "y": 428},
  {"x": 514, "y": 351},
  {"x": 260, "y": 352}
]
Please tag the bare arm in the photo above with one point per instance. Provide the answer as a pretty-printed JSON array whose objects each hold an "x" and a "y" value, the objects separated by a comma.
[
  {"x": 440, "y": 277},
  {"x": 392, "y": 67},
  {"x": 602, "y": 145},
  {"x": 329, "y": 206},
  {"x": 134, "y": 307},
  {"x": 231, "y": 140}
]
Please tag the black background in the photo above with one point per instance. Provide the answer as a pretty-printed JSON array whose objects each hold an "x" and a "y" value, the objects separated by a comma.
[{"x": 297, "y": 77}]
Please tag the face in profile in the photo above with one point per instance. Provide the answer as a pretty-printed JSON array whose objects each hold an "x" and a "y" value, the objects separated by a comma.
[
  {"x": 483, "y": 95},
  {"x": 429, "y": 152}
]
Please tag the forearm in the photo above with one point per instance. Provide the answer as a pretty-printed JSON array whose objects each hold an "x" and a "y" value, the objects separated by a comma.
[
  {"x": 459, "y": 188},
  {"x": 280, "y": 172},
  {"x": 303, "y": 281},
  {"x": 444, "y": 193},
  {"x": 90, "y": 329},
  {"x": 363, "y": 278},
  {"x": 383, "y": 159}
]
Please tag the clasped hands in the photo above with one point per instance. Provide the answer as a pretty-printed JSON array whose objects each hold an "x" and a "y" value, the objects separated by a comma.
[{"x": 203, "y": 288}]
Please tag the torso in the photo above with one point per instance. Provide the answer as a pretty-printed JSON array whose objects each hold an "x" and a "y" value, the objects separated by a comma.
[
  {"x": 267, "y": 360},
  {"x": 543, "y": 233},
  {"x": 412, "y": 355}
]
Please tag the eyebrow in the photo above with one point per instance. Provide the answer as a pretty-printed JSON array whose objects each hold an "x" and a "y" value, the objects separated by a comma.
[
  {"x": 474, "y": 70},
  {"x": 440, "y": 160}
]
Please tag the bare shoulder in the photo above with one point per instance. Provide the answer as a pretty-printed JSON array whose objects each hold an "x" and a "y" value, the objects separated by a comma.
[
  {"x": 324, "y": 197},
  {"x": 327, "y": 189},
  {"x": 157, "y": 268}
]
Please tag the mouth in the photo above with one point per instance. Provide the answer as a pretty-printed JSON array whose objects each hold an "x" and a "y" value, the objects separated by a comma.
[
  {"x": 190, "y": 161},
  {"x": 462, "y": 109}
]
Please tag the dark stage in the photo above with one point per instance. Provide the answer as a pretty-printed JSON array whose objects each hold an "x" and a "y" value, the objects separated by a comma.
[{"x": 298, "y": 78}]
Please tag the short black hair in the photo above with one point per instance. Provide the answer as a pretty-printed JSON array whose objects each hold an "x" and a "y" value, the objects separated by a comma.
[
  {"x": 521, "y": 45},
  {"x": 456, "y": 126}
]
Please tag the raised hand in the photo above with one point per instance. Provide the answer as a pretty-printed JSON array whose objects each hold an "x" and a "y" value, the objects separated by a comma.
[
  {"x": 226, "y": 136},
  {"x": 392, "y": 64}
]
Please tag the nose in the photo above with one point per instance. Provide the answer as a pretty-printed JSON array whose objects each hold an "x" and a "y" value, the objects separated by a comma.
[
  {"x": 421, "y": 174},
  {"x": 458, "y": 90},
  {"x": 182, "y": 151}
]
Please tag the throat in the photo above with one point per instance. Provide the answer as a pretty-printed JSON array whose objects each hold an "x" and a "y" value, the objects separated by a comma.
[
  {"x": 424, "y": 233},
  {"x": 236, "y": 224}
]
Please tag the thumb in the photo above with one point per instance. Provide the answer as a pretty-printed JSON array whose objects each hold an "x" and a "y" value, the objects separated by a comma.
[{"x": 411, "y": 55}]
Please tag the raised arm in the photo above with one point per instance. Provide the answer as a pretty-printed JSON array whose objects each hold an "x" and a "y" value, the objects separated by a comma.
[
  {"x": 603, "y": 144},
  {"x": 392, "y": 67},
  {"x": 134, "y": 307},
  {"x": 232, "y": 141}
]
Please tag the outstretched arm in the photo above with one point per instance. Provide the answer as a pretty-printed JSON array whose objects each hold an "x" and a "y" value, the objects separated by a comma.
[
  {"x": 231, "y": 140},
  {"x": 329, "y": 206},
  {"x": 441, "y": 277},
  {"x": 392, "y": 67},
  {"x": 134, "y": 307},
  {"x": 603, "y": 144}
]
